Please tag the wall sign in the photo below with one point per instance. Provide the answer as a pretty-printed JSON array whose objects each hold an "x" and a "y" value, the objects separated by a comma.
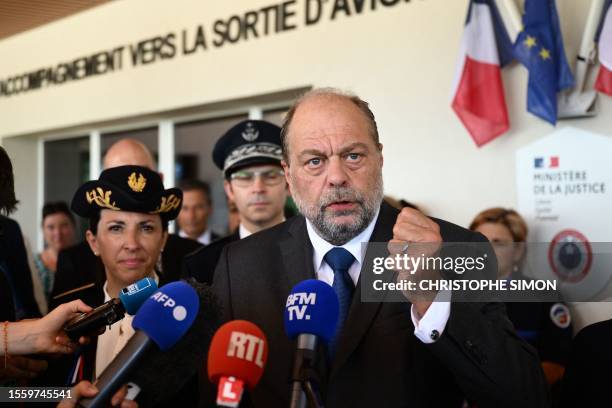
[
  {"x": 564, "y": 186},
  {"x": 247, "y": 26}
]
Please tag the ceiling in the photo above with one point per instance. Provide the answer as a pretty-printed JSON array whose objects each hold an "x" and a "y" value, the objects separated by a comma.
[{"x": 17, "y": 16}]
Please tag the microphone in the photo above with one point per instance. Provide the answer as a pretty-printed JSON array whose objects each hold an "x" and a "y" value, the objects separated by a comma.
[
  {"x": 236, "y": 358},
  {"x": 94, "y": 322},
  {"x": 160, "y": 386},
  {"x": 160, "y": 323},
  {"x": 311, "y": 314}
]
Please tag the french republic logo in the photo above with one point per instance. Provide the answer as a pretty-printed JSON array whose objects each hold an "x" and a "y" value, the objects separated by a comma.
[
  {"x": 570, "y": 256},
  {"x": 560, "y": 315},
  {"x": 551, "y": 162}
]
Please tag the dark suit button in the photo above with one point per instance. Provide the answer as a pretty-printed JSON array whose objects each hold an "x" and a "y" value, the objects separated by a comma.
[
  {"x": 469, "y": 344},
  {"x": 434, "y": 335}
]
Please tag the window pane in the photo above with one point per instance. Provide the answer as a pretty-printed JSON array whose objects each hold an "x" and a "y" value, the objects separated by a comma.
[
  {"x": 194, "y": 144},
  {"x": 275, "y": 116},
  {"x": 66, "y": 168}
]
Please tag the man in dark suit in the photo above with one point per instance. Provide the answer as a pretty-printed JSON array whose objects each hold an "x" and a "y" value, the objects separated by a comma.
[
  {"x": 77, "y": 266},
  {"x": 249, "y": 154},
  {"x": 419, "y": 354},
  {"x": 196, "y": 210}
]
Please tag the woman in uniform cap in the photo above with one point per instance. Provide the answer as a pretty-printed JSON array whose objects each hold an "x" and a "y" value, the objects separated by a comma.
[{"x": 128, "y": 211}]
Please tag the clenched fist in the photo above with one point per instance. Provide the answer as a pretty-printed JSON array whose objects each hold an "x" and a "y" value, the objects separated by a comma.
[{"x": 416, "y": 236}]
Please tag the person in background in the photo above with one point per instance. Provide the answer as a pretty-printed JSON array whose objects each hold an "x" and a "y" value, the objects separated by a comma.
[
  {"x": 128, "y": 210},
  {"x": 547, "y": 326},
  {"x": 249, "y": 154},
  {"x": 16, "y": 289},
  {"x": 79, "y": 270},
  {"x": 59, "y": 229},
  {"x": 127, "y": 233},
  {"x": 197, "y": 208}
]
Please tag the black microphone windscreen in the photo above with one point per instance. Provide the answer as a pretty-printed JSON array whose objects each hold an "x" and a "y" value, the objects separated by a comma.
[{"x": 166, "y": 376}]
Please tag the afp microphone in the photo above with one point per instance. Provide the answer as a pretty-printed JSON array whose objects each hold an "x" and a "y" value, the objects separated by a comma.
[
  {"x": 171, "y": 378},
  {"x": 160, "y": 323},
  {"x": 130, "y": 300},
  {"x": 236, "y": 358},
  {"x": 311, "y": 314}
]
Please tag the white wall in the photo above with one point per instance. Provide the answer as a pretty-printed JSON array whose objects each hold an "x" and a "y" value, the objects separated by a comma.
[{"x": 401, "y": 59}]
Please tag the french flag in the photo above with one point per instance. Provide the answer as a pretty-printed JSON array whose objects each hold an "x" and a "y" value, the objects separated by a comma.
[
  {"x": 478, "y": 90},
  {"x": 604, "y": 78}
]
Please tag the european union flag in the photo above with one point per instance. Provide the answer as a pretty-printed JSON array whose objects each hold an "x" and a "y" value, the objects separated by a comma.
[{"x": 539, "y": 47}]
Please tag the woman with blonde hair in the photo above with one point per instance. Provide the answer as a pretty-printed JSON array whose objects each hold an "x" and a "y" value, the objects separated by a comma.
[{"x": 546, "y": 326}]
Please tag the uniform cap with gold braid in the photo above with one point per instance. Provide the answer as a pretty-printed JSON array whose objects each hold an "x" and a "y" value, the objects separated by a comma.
[
  {"x": 249, "y": 143},
  {"x": 127, "y": 188}
]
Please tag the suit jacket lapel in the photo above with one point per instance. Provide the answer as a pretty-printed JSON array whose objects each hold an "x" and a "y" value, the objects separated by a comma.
[
  {"x": 296, "y": 254},
  {"x": 361, "y": 314}
]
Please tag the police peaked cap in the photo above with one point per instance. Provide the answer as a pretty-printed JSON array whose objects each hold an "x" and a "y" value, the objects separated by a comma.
[
  {"x": 248, "y": 143},
  {"x": 127, "y": 188}
]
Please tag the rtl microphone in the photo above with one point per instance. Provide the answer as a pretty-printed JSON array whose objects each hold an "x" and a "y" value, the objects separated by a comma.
[
  {"x": 94, "y": 322},
  {"x": 311, "y": 314},
  {"x": 236, "y": 358},
  {"x": 160, "y": 323}
]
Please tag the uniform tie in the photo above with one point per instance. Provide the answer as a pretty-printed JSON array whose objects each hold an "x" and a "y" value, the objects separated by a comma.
[{"x": 340, "y": 260}]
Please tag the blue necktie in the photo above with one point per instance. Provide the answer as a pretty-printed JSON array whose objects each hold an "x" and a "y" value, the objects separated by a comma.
[{"x": 340, "y": 260}]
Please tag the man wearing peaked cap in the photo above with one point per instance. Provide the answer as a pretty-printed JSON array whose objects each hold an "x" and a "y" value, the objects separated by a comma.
[
  {"x": 248, "y": 142},
  {"x": 249, "y": 154}
]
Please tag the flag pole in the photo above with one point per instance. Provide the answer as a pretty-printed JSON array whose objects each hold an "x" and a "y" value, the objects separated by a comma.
[
  {"x": 577, "y": 103},
  {"x": 512, "y": 14}
]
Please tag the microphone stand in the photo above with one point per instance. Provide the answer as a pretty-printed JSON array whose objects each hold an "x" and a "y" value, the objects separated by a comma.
[{"x": 304, "y": 374}]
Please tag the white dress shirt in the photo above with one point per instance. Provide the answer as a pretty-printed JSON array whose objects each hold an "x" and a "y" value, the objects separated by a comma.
[
  {"x": 203, "y": 239},
  {"x": 114, "y": 339},
  {"x": 434, "y": 320},
  {"x": 243, "y": 232}
]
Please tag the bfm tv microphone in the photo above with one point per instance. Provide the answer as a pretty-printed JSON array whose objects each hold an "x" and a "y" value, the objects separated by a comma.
[
  {"x": 160, "y": 323},
  {"x": 311, "y": 314},
  {"x": 94, "y": 322},
  {"x": 236, "y": 358}
]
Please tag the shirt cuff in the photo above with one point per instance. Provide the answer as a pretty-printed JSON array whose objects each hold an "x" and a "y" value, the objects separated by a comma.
[{"x": 431, "y": 325}]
